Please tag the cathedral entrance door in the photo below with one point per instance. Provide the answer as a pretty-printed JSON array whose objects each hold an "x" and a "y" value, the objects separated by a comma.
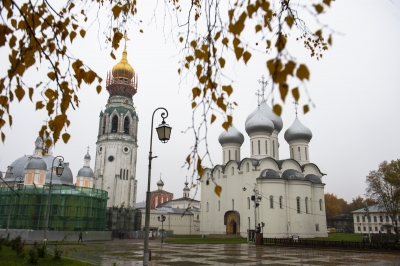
[
  {"x": 234, "y": 228},
  {"x": 232, "y": 222}
]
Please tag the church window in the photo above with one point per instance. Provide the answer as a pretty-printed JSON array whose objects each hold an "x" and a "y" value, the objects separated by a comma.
[
  {"x": 359, "y": 228},
  {"x": 306, "y": 202},
  {"x": 229, "y": 157},
  {"x": 233, "y": 170},
  {"x": 252, "y": 148},
  {"x": 316, "y": 227},
  {"x": 104, "y": 125},
  {"x": 375, "y": 220},
  {"x": 306, "y": 153},
  {"x": 248, "y": 203},
  {"x": 236, "y": 155},
  {"x": 387, "y": 218},
  {"x": 120, "y": 173},
  {"x": 233, "y": 204},
  {"x": 299, "y": 153},
  {"x": 219, "y": 205},
  {"x": 273, "y": 148},
  {"x": 110, "y": 158},
  {"x": 363, "y": 219},
  {"x": 381, "y": 219},
  {"x": 364, "y": 228},
  {"x": 266, "y": 147},
  {"x": 126, "y": 125},
  {"x": 280, "y": 202},
  {"x": 114, "y": 124},
  {"x": 248, "y": 220},
  {"x": 292, "y": 155},
  {"x": 223, "y": 156},
  {"x": 197, "y": 217},
  {"x": 320, "y": 204},
  {"x": 271, "y": 202},
  {"x": 358, "y": 219},
  {"x": 207, "y": 207},
  {"x": 259, "y": 147},
  {"x": 298, "y": 204},
  {"x": 247, "y": 167},
  {"x": 127, "y": 174}
]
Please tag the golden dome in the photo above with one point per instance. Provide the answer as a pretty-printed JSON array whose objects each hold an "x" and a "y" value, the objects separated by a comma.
[{"x": 123, "y": 70}]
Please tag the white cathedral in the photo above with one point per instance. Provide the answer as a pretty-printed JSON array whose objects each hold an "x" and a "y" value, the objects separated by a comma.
[{"x": 286, "y": 197}]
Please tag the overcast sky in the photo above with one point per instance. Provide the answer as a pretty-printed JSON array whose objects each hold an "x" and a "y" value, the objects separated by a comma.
[{"x": 355, "y": 88}]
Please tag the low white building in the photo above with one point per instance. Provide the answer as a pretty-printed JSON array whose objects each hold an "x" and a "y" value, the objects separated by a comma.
[
  {"x": 379, "y": 222},
  {"x": 289, "y": 192}
]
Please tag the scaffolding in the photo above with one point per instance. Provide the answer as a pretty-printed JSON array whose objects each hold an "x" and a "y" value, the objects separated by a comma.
[{"x": 71, "y": 208}]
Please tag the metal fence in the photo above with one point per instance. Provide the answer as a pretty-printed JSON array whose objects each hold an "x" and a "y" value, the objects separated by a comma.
[{"x": 328, "y": 244}]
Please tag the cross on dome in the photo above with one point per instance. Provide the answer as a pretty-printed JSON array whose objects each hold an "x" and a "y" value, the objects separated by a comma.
[
  {"x": 296, "y": 105},
  {"x": 264, "y": 84},
  {"x": 230, "y": 109},
  {"x": 126, "y": 38},
  {"x": 258, "y": 94}
]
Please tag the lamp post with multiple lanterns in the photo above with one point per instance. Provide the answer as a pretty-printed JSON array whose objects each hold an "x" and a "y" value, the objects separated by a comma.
[
  {"x": 162, "y": 220},
  {"x": 256, "y": 198},
  {"x": 164, "y": 133},
  {"x": 59, "y": 170},
  {"x": 20, "y": 186}
]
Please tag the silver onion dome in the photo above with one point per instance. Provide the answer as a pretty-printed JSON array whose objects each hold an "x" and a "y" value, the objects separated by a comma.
[
  {"x": 259, "y": 123},
  {"x": 186, "y": 188},
  {"x": 36, "y": 163},
  {"x": 160, "y": 183},
  {"x": 268, "y": 112},
  {"x": 313, "y": 178},
  {"x": 87, "y": 156},
  {"x": 85, "y": 171},
  {"x": 269, "y": 174},
  {"x": 298, "y": 131},
  {"x": 231, "y": 136}
]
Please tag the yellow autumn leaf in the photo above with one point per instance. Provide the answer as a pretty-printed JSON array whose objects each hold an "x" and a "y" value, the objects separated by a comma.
[
  {"x": 213, "y": 117},
  {"x": 116, "y": 10},
  {"x": 302, "y": 72},
  {"x": 283, "y": 90},
  {"x": 66, "y": 137},
  {"x": 221, "y": 61},
  {"x": 225, "y": 41},
  {"x": 82, "y": 32},
  {"x": 238, "y": 52},
  {"x": 319, "y": 8},
  {"x": 112, "y": 55},
  {"x": 277, "y": 109},
  {"x": 188, "y": 159},
  {"x": 72, "y": 36},
  {"x": 30, "y": 93},
  {"x": 258, "y": 28},
  {"x": 218, "y": 190},
  {"x": 51, "y": 75},
  {"x": 217, "y": 35},
  {"x": 228, "y": 89},
  {"x": 246, "y": 56},
  {"x": 39, "y": 105},
  {"x": 98, "y": 89},
  {"x": 193, "y": 105},
  {"x": 19, "y": 92},
  {"x": 296, "y": 94},
  {"x": 289, "y": 21},
  {"x": 306, "y": 109},
  {"x": 196, "y": 92}
]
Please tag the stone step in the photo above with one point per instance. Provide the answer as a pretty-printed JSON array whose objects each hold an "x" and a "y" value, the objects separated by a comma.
[{"x": 223, "y": 236}]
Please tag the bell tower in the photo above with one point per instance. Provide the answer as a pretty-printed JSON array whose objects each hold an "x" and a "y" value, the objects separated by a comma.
[{"x": 116, "y": 153}]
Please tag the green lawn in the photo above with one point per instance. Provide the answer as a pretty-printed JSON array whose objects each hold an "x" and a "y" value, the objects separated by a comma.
[
  {"x": 8, "y": 257},
  {"x": 347, "y": 237},
  {"x": 196, "y": 239}
]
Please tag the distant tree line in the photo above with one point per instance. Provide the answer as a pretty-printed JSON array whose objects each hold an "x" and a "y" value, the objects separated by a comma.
[{"x": 335, "y": 206}]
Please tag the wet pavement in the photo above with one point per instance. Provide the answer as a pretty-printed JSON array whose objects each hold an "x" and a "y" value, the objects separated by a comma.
[{"x": 130, "y": 252}]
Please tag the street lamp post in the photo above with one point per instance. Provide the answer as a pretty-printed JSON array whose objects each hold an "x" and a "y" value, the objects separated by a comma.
[
  {"x": 59, "y": 170},
  {"x": 162, "y": 219},
  {"x": 20, "y": 186},
  {"x": 164, "y": 133},
  {"x": 256, "y": 200}
]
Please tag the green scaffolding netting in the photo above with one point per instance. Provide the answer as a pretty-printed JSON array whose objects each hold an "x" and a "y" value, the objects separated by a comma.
[{"x": 71, "y": 208}]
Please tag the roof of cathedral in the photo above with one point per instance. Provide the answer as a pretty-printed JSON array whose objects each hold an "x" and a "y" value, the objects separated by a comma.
[
  {"x": 123, "y": 70},
  {"x": 231, "y": 136},
  {"x": 298, "y": 131},
  {"x": 313, "y": 178},
  {"x": 36, "y": 163},
  {"x": 291, "y": 174},
  {"x": 259, "y": 123},
  {"x": 267, "y": 111},
  {"x": 120, "y": 110},
  {"x": 269, "y": 174},
  {"x": 160, "y": 183},
  {"x": 85, "y": 171}
]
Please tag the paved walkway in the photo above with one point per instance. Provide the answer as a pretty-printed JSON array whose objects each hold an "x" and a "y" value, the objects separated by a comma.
[{"x": 130, "y": 252}]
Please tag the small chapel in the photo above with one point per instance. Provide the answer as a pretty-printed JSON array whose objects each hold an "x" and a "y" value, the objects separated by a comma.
[{"x": 285, "y": 197}]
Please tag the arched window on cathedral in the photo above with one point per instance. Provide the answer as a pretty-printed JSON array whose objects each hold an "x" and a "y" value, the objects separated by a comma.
[
  {"x": 247, "y": 167},
  {"x": 127, "y": 174},
  {"x": 292, "y": 154},
  {"x": 233, "y": 204},
  {"x": 114, "y": 124},
  {"x": 124, "y": 175},
  {"x": 197, "y": 217},
  {"x": 104, "y": 125},
  {"x": 207, "y": 207},
  {"x": 252, "y": 148},
  {"x": 280, "y": 202},
  {"x": 120, "y": 173},
  {"x": 236, "y": 155},
  {"x": 248, "y": 203},
  {"x": 273, "y": 148},
  {"x": 233, "y": 170},
  {"x": 223, "y": 155},
  {"x": 305, "y": 149},
  {"x": 259, "y": 147},
  {"x": 298, "y": 204},
  {"x": 219, "y": 205},
  {"x": 229, "y": 158},
  {"x": 306, "y": 202},
  {"x": 320, "y": 204},
  {"x": 126, "y": 125},
  {"x": 298, "y": 149},
  {"x": 271, "y": 202},
  {"x": 266, "y": 147}
]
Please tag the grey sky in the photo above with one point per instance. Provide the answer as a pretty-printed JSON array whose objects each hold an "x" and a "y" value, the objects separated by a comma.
[{"x": 355, "y": 123}]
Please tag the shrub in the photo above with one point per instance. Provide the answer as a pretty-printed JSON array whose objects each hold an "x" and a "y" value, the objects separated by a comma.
[
  {"x": 57, "y": 252},
  {"x": 16, "y": 242},
  {"x": 33, "y": 256},
  {"x": 20, "y": 249},
  {"x": 42, "y": 251}
]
